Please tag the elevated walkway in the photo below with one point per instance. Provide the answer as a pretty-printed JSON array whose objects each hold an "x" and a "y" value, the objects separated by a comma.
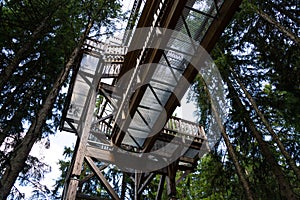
[{"x": 123, "y": 113}]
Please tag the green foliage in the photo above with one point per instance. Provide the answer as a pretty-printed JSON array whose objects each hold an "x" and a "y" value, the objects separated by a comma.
[
  {"x": 213, "y": 179},
  {"x": 37, "y": 39},
  {"x": 200, "y": 95},
  {"x": 267, "y": 63}
]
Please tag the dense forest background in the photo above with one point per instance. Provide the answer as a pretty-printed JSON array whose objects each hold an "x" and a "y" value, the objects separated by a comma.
[{"x": 258, "y": 56}]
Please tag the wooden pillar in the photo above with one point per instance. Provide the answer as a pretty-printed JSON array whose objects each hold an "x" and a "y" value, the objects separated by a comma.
[
  {"x": 160, "y": 187},
  {"x": 71, "y": 191},
  {"x": 137, "y": 181},
  {"x": 123, "y": 188},
  {"x": 171, "y": 182},
  {"x": 102, "y": 178},
  {"x": 146, "y": 182}
]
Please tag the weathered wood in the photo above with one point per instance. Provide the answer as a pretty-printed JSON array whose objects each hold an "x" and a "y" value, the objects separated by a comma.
[
  {"x": 137, "y": 181},
  {"x": 88, "y": 177},
  {"x": 171, "y": 182},
  {"x": 160, "y": 187},
  {"x": 183, "y": 176},
  {"x": 79, "y": 154},
  {"x": 100, "y": 154},
  {"x": 123, "y": 188},
  {"x": 145, "y": 183},
  {"x": 102, "y": 178},
  {"x": 79, "y": 157}
]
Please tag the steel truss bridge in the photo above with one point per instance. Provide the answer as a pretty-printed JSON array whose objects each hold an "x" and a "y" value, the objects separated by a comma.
[{"x": 122, "y": 113}]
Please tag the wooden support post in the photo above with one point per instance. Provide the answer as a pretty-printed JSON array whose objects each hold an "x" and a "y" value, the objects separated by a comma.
[
  {"x": 171, "y": 182},
  {"x": 137, "y": 181},
  {"x": 146, "y": 182},
  {"x": 187, "y": 172},
  {"x": 75, "y": 173},
  {"x": 69, "y": 173},
  {"x": 123, "y": 189},
  {"x": 70, "y": 194},
  {"x": 160, "y": 187},
  {"x": 88, "y": 177},
  {"x": 103, "y": 180}
]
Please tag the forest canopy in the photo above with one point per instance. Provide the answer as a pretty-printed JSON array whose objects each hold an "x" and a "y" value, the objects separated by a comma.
[{"x": 258, "y": 56}]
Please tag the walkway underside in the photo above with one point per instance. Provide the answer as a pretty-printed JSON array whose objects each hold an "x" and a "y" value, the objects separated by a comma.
[{"x": 124, "y": 113}]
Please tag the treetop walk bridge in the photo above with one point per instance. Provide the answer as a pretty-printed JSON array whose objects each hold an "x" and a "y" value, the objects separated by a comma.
[{"x": 123, "y": 95}]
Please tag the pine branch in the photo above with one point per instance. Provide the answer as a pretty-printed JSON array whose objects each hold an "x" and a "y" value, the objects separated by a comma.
[
  {"x": 275, "y": 137},
  {"x": 280, "y": 27}
]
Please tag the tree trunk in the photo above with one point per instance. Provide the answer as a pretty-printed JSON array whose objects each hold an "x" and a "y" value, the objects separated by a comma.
[
  {"x": 233, "y": 156},
  {"x": 287, "y": 156},
  {"x": 284, "y": 30},
  {"x": 284, "y": 186},
  {"x": 286, "y": 12},
  {"x": 231, "y": 151},
  {"x": 21, "y": 152}
]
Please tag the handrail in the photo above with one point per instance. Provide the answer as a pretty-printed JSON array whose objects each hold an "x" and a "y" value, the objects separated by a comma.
[
  {"x": 174, "y": 126},
  {"x": 185, "y": 127}
]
